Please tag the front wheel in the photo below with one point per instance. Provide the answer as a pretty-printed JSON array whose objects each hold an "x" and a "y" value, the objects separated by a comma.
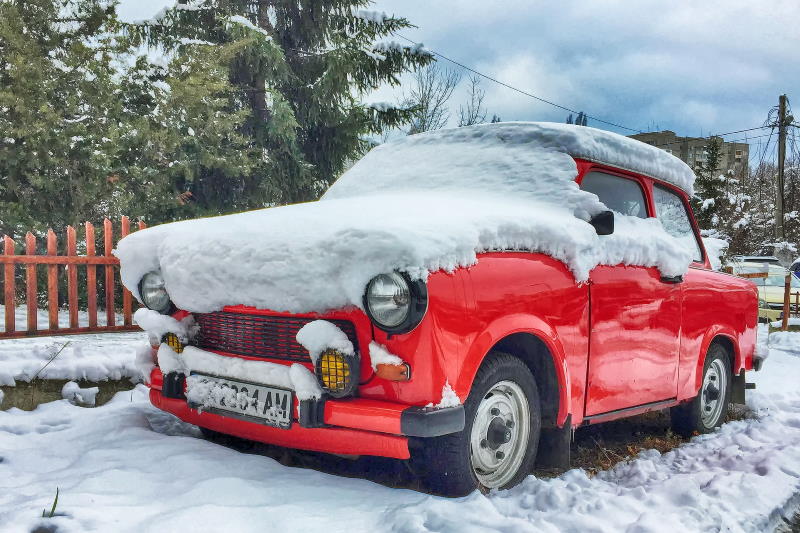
[
  {"x": 497, "y": 447},
  {"x": 708, "y": 409}
]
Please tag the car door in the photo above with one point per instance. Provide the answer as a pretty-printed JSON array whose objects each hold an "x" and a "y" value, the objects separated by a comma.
[{"x": 635, "y": 316}]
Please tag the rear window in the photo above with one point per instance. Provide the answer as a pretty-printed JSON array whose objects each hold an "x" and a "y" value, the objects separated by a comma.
[{"x": 675, "y": 219}]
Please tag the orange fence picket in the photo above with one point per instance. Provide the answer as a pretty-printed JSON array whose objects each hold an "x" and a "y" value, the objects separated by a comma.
[{"x": 70, "y": 263}]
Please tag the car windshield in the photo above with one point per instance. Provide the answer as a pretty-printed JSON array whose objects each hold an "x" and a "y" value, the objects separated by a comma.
[{"x": 776, "y": 281}]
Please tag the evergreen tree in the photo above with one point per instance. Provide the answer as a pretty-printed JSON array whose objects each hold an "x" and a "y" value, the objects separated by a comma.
[
  {"x": 495, "y": 119},
  {"x": 88, "y": 131},
  {"x": 57, "y": 111},
  {"x": 301, "y": 68},
  {"x": 709, "y": 199}
]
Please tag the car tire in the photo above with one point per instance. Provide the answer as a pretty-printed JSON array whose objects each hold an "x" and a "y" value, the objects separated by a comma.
[
  {"x": 497, "y": 447},
  {"x": 707, "y": 411}
]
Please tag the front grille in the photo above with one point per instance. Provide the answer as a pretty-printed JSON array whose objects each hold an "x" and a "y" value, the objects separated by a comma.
[
  {"x": 271, "y": 337},
  {"x": 792, "y": 307}
]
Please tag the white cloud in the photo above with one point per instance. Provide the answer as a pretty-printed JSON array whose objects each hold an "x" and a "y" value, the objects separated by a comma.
[{"x": 683, "y": 65}]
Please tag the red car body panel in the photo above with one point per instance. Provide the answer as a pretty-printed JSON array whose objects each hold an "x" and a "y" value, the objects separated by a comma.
[{"x": 623, "y": 343}]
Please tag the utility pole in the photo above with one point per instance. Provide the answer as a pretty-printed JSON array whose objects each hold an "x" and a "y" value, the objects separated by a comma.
[{"x": 780, "y": 234}]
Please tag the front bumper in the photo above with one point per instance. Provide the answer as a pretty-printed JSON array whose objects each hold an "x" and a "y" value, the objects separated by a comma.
[
  {"x": 353, "y": 426},
  {"x": 768, "y": 314}
]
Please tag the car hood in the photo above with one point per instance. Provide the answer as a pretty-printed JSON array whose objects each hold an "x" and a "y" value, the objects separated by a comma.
[{"x": 318, "y": 256}]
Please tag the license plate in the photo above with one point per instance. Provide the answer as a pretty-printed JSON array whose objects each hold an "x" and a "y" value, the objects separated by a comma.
[{"x": 249, "y": 401}]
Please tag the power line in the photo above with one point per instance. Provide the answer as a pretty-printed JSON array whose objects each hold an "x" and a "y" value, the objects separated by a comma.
[
  {"x": 686, "y": 139},
  {"x": 526, "y": 93}
]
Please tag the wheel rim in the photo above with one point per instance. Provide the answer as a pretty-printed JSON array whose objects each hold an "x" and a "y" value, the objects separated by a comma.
[
  {"x": 712, "y": 395},
  {"x": 499, "y": 437}
]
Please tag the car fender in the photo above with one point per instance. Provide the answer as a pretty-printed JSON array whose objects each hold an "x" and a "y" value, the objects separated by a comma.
[
  {"x": 712, "y": 333},
  {"x": 509, "y": 325}
]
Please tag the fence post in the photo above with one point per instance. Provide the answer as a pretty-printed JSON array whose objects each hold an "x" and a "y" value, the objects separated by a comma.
[
  {"x": 52, "y": 281},
  {"x": 91, "y": 278},
  {"x": 72, "y": 278},
  {"x": 31, "y": 289},
  {"x": 108, "y": 243},
  {"x": 10, "y": 287},
  {"x": 126, "y": 294},
  {"x": 787, "y": 296}
]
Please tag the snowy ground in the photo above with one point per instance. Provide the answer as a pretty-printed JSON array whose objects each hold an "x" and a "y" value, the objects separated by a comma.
[
  {"x": 96, "y": 357},
  {"x": 128, "y": 467}
]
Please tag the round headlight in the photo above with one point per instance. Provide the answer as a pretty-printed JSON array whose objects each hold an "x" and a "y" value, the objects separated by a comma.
[
  {"x": 154, "y": 294},
  {"x": 394, "y": 303}
]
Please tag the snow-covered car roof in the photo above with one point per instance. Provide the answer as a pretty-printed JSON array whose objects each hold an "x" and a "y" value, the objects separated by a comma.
[
  {"x": 509, "y": 157},
  {"x": 421, "y": 204}
]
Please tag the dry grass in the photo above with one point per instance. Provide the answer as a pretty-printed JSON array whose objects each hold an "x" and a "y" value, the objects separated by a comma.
[
  {"x": 27, "y": 396},
  {"x": 601, "y": 446}
]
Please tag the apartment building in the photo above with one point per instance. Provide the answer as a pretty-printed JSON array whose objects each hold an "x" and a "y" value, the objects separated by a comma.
[{"x": 692, "y": 150}]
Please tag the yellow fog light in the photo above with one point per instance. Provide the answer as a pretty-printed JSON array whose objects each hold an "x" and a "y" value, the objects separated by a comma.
[
  {"x": 172, "y": 340},
  {"x": 337, "y": 373}
]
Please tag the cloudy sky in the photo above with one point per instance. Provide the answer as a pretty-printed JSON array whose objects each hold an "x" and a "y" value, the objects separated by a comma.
[{"x": 692, "y": 67}]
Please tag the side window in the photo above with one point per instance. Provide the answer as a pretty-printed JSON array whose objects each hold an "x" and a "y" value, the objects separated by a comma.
[
  {"x": 672, "y": 213},
  {"x": 619, "y": 194}
]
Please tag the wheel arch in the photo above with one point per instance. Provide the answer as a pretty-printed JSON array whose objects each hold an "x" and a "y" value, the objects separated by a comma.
[
  {"x": 538, "y": 346},
  {"x": 727, "y": 339}
]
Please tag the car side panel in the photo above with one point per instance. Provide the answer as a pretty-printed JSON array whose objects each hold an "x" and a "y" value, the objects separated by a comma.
[
  {"x": 528, "y": 293},
  {"x": 715, "y": 304}
]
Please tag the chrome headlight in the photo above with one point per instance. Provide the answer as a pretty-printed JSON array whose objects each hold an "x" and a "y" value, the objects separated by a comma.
[
  {"x": 153, "y": 293},
  {"x": 395, "y": 303}
]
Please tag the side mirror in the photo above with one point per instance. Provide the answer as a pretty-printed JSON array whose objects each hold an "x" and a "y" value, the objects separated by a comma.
[{"x": 603, "y": 223}]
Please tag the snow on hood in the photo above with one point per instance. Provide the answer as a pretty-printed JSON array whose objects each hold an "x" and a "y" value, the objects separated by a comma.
[{"x": 425, "y": 203}]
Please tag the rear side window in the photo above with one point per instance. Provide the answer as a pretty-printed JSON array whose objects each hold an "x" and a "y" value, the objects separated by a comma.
[
  {"x": 671, "y": 211},
  {"x": 619, "y": 194}
]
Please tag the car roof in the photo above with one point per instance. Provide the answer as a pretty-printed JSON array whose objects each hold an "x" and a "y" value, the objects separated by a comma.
[
  {"x": 755, "y": 266},
  {"x": 757, "y": 259}
]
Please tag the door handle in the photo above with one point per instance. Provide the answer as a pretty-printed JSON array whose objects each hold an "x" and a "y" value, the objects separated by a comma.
[{"x": 672, "y": 279}]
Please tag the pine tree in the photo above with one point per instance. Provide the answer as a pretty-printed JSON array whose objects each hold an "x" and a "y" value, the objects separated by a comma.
[
  {"x": 709, "y": 199},
  {"x": 57, "y": 111},
  {"x": 301, "y": 67},
  {"x": 89, "y": 131}
]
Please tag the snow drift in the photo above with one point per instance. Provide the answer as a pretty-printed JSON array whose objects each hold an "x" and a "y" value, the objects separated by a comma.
[{"x": 425, "y": 203}]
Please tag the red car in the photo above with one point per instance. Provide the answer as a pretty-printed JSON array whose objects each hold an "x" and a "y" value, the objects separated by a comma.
[{"x": 486, "y": 340}]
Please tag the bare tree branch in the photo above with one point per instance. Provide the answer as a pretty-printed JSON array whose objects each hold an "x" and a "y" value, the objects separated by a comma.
[
  {"x": 474, "y": 112},
  {"x": 433, "y": 87}
]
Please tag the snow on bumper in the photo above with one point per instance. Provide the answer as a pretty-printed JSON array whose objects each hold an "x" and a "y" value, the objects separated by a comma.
[
  {"x": 295, "y": 377},
  {"x": 315, "y": 411}
]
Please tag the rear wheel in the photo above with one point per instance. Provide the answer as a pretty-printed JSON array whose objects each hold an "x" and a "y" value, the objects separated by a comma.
[
  {"x": 708, "y": 409},
  {"x": 497, "y": 446}
]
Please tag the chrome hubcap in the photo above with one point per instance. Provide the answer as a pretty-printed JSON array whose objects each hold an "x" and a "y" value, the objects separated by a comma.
[
  {"x": 499, "y": 437},
  {"x": 712, "y": 395}
]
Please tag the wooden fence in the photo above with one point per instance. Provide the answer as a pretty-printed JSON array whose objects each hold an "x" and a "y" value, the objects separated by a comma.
[{"x": 108, "y": 264}]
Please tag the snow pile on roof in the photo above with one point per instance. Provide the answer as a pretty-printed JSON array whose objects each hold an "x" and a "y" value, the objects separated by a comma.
[
  {"x": 468, "y": 157},
  {"x": 425, "y": 203}
]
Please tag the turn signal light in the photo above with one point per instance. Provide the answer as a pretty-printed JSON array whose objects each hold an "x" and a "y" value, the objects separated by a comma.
[{"x": 393, "y": 372}]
